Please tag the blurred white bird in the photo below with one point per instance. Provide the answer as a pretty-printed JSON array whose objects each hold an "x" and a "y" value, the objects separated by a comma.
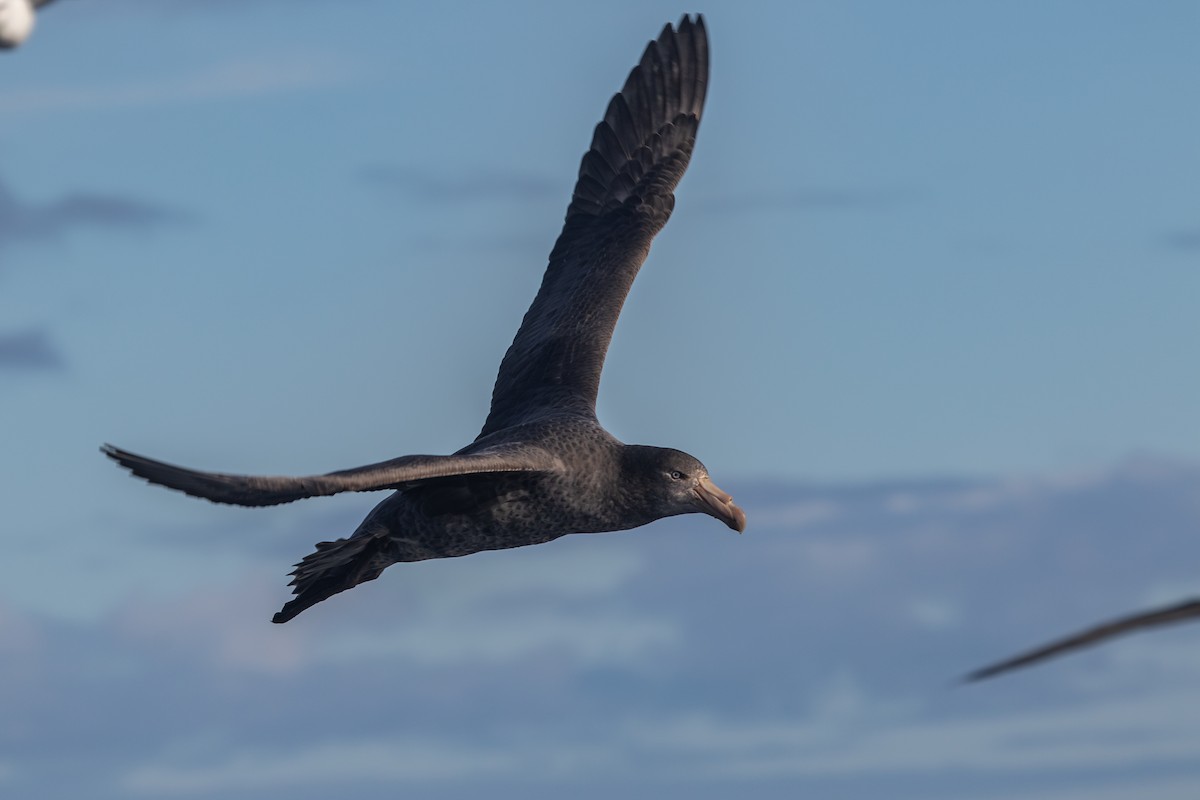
[{"x": 16, "y": 21}]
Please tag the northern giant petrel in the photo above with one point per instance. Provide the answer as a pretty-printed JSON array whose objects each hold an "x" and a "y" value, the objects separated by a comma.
[
  {"x": 542, "y": 466},
  {"x": 1168, "y": 615}
]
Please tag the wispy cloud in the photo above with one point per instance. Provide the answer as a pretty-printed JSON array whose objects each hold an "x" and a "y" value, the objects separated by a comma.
[
  {"x": 339, "y": 764},
  {"x": 1158, "y": 728},
  {"x": 29, "y": 350},
  {"x": 809, "y": 657},
  {"x": 593, "y": 639},
  {"x": 23, "y": 221},
  {"x": 424, "y": 184},
  {"x": 852, "y": 737},
  {"x": 540, "y": 604}
]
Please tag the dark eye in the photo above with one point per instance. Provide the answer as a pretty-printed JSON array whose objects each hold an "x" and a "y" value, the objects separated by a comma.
[{"x": 676, "y": 475}]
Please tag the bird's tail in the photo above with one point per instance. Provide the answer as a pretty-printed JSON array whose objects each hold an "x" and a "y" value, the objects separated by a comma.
[{"x": 335, "y": 567}]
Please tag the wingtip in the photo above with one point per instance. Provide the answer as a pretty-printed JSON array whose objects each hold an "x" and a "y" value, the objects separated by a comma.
[
  {"x": 685, "y": 25},
  {"x": 289, "y": 611},
  {"x": 975, "y": 676},
  {"x": 1019, "y": 662},
  {"x": 293, "y": 608},
  {"x": 121, "y": 457},
  {"x": 688, "y": 22}
]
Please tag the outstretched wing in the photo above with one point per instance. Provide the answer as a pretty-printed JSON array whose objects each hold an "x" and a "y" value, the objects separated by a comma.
[
  {"x": 1181, "y": 612},
  {"x": 249, "y": 490},
  {"x": 623, "y": 197}
]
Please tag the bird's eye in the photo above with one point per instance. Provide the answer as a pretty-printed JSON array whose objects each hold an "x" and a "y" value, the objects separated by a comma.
[{"x": 676, "y": 475}]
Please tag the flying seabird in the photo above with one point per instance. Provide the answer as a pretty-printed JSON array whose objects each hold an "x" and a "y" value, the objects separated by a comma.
[
  {"x": 17, "y": 19},
  {"x": 1168, "y": 615},
  {"x": 542, "y": 466}
]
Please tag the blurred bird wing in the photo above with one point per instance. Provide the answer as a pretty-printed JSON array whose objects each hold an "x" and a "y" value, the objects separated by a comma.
[{"x": 1180, "y": 612}]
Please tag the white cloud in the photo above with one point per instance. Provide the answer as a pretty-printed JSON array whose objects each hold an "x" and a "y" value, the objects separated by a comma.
[
  {"x": 340, "y": 763},
  {"x": 588, "y": 638},
  {"x": 966, "y": 500},
  {"x": 225, "y": 626},
  {"x": 446, "y": 613},
  {"x": 392, "y": 761},
  {"x": 503, "y": 607},
  {"x": 838, "y": 558},
  {"x": 934, "y": 613},
  {"x": 1155, "y": 729},
  {"x": 506, "y": 606},
  {"x": 1144, "y": 789},
  {"x": 798, "y": 515},
  {"x": 990, "y": 495},
  {"x": 563, "y": 572},
  {"x": 851, "y": 735},
  {"x": 725, "y": 673},
  {"x": 840, "y": 709}
]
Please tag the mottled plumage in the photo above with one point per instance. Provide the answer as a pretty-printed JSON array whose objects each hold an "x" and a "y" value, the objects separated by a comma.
[
  {"x": 542, "y": 466},
  {"x": 1168, "y": 615}
]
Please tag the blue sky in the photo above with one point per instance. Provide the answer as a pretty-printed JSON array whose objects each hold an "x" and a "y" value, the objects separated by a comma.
[{"x": 947, "y": 242}]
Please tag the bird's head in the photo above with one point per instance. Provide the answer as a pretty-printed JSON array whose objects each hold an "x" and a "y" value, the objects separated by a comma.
[{"x": 669, "y": 482}]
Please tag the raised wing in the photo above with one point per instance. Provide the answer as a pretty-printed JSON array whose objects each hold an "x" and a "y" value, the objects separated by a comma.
[
  {"x": 249, "y": 490},
  {"x": 1189, "y": 609},
  {"x": 623, "y": 197}
]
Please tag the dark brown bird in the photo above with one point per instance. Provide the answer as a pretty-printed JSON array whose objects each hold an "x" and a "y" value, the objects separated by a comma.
[
  {"x": 1168, "y": 615},
  {"x": 542, "y": 466}
]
